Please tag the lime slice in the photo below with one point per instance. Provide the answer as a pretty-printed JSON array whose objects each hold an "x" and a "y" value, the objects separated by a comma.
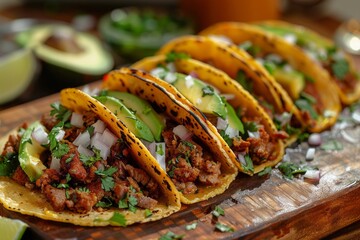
[
  {"x": 11, "y": 229},
  {"x": 16, "y": 72}
]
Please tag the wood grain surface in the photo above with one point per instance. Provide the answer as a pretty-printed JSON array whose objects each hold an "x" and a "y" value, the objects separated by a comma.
[{"x": 267, "y": 207}]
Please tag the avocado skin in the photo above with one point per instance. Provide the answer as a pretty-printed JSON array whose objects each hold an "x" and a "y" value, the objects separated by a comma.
[
  {"x": 131, "y": 121},
  {"x": 29, "y": 154},
  {"x": 143, "y": 110}
]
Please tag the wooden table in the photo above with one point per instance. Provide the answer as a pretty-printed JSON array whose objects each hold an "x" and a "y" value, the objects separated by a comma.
[{"x": 256, "y": 207}]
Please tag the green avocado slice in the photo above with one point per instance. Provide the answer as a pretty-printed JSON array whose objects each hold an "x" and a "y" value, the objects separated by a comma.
[
  {"x": 29, "y": 153},
  {"x": 143, "y": 110},
  {"x": 131, "y": 121}
]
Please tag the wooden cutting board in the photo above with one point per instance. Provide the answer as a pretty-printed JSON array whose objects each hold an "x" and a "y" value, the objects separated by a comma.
[{"x": 266, "y": 207}]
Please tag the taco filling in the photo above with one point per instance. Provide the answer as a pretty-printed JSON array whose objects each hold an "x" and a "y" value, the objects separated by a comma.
[
  {"x": 326, "y": 54},
  {"x": 78, "y": 164},
  {"x": 187, "y": 162},
  {"x": 245, "y": 135},
  {"x": 300, "y": 87}
]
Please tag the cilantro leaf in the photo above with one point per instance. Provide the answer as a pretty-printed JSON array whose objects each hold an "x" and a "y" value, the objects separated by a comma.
[
  {"x": 104, "y": 203},
  {"x": 8, "y": 164},
  {"x": 123, "y": 203},
  {"x": 226, "y": 137},
  {"x": 148, "y": 213},
  {"x": 90, "y": 160},
  {"x": 265, "y": 171},
  {"x": 270, "y": 67},
  {"x": 290, "y": 169},
  {"x": 191, "y": 226},
  {"x": 340, "y": 68},
  {"x": 60, "y": 150},
  {"x": 173, "y": 56},
  {"x": 208, "y": 90},
  {"x": 60, "y": 112},
  {"x": 118, "y": 219},
  {"x": 304, "y": 105},
  {"x": 132, "y": 203},
  {"x": 218, "y": 211},
  {"x": 242, "y": 80},
  {"x": 248, "y": 166},
  {"x": 107, "y": 182},
  {"x": 171, "y": 236},
  {"x": 223, "y": 228}
]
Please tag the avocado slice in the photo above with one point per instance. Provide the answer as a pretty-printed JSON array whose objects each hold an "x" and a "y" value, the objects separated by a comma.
[
  {"x": 143, "y": 110},
  {"x": 131, "y": 121},
  {"x": 293, "y": 81},
  {"x": 79, "y": 55},
  {"x": 233, "y": 119},
  {"x": 29, "y": 153},
  {"x": 200, "y": 94}
]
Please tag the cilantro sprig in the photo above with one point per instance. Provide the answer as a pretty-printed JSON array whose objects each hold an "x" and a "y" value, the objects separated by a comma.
[
  {"x": 171, "y": 236},
  {"x": 8, "y": 164},
  {"x": 107, "y": 181}
]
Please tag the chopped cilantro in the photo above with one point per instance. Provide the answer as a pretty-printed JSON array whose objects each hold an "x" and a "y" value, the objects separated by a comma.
[
  {"x": 103, "y": 93},
  {"x": 68, "y": 177},
  {"x": 305, "y": 105},
  {"x": 250, "y": 126},
  {"x": 332, "y": 145},
  {"x": 123, "y": 203},
  {"x": 118, "y": 219},
  {"x": 218, "y": 211},
  {"x": 226, "y": 137},
  {"x": 8, "y": 164},
  {"x": 188, "y": 144},
  {"x": 308, "y": 97},
  {"x": 132, "y": 203},
  {"x": 173, "y": 56},
  {"x": 107, "y": 182},
  {"x": 60, "y": 112},
  {"x": 148, "y": 213},
  {"x": 60, "y": 150},
  {"x": 340, "y": 68},
  {"x": 250, "y": 48},
  {"x": 309, "y": 79},
  {"x": 265, "y": 171},
  {"x": 208, "y": 90},
  {"x": 159, "y": 149},
  {"x": 70, "y": 158},
  {"x": 90, "y": 129},
  {"x": 244, "y": 82},
  {"x": 67, "y": 194},
  {"x": 90, "y": 160},
  {"x": 104, "y": 203},
  {"x": 270, "y": 67},
  {"x": 171, "y": 236},
  {"x": 83, "y": 189},
  {"x": 191, "y": 226},
  {"x": 290, "y": 169},
  {"x": 248, "y": 167},
  {"x": 223, "y": 228},
  {"x": 62, "y": 185}
]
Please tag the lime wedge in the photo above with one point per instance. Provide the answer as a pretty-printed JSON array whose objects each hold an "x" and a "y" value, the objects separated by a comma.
[
  {"x": 16, "y": 72},
  {"x": 11, "y": 229}
]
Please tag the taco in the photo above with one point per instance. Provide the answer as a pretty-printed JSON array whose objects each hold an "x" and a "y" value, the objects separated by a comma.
[
  {"x": 79, "y": 164},
  {"x": 339, "y": 65},
  {"x": 308, "y": 85},
  {"x": 247, "y": 72},
  {"x": 232, "y": 112},
  {"x": 185, "y": 148}
]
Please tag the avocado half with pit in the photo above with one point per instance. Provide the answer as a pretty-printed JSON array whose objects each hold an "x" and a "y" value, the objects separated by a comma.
[{"x": 70, "y": 58}]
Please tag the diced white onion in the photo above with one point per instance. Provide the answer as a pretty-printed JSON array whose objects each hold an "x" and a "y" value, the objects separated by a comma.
[
  {"x": 108, "y": 138},
  {"x": 104, "y": 150},
  {"x": 283, "y": 118},
  {"x": 254, "y": 134},
  {"x": 77, "y": 119},
  {"x": 221, "y": 124},
  {"x": 312, "y": 174},
  {"x": 260, "y": 61},
  {"x": 55, "y": 163},
  {"x": 171, "y": 67},
  {"x": 312, "y": 55},
  {"x": 231, "y": 132},
  {"x": 310, "y": 154},
  {"x": 92, "y": 92},
  {"x": 290, "y": 38},
  {"x": 157, "y": 72},
  {"x": 153, "y": 147},
  {"x": 241, "y": 158},
  {"x": 315, "y": 139},
  {"x": 189, "y": 81},
  {"x": 83, "y": 150},
  {"x": 182, "y": 132},
  {"x": 60, "y": 135},
  {"x": 40, "y": 135},
  {"x": 199, "y": 101},
  {"x": 99, "y": 126},
  {"x": 349, "y": 137},
  {"x": 274, "y": 58},
  {"x": 170, "y": 77},
  {"x": 82, "y": 139},
  {"x": 220, "y": 38},
  {"x": 356, "y": 115},
  {"x": 96, "y": 137},
  {"x": 329, "y": 113},
  {"x": 288, "y": 68}
]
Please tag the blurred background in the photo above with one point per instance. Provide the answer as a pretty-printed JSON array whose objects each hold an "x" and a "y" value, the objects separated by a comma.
[{"x": 91, "y": 37}]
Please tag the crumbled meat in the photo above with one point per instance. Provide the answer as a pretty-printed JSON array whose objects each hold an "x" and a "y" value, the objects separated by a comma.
[
  {"x": 55, "y": 196},
  {"x": 240, "y": 145},
  {"x": 120, "y": 190},
  {"x": 144, "y": 201},
  {"x": 48, "y": 177},
  {"x": 185, "y": 188},
  {"x": 74, "y": 167},
  {"x": 83, "y": 202},
  {"x": 21, "y": 178},
  {"x": 261, "y": 148},
  {"x": 48, "y": 121}
]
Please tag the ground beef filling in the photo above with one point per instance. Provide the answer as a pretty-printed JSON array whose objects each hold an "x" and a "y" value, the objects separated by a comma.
[
  {"x": 81, "y": 187},
  {"x": 347, "y": 84},
  {"x": 189, "y": 165}
]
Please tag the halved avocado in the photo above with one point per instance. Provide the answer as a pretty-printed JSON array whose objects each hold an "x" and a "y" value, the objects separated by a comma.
[
  {"x": 72, "y": 57},
  {"x": 293, "y": 82}
]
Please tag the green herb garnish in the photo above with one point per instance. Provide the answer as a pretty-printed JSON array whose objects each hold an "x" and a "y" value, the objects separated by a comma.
[
  {"x": 242, "y": 80},
  {"x": 208, "y": 90},
  {"x": 248, "y": 166},
  {"x": 90, "y": 160},
  {"x": 332, "y": 145},
  {"x": 265, "y": 171},
  {"x": 191, "y": 226},
  {"x": 8, "y": 164},
  {"x": 173, "y": 56},
  {"x": 223, "y": 228},
  {"x": 118, "y": 219},
  {"x": 107, "y": 181},
  {"x": 340, "y": 68},
  {"x": 148, "y": 213},
  {"x": 171, "y": 236},
  {"x": 218, "y": 211},
  {"x": 60, "y": 112},
  {"x": 290, "y": 169}
]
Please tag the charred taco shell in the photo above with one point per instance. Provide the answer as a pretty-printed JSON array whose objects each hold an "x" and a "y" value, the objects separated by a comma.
[
  {"x": 190, "y": 153},
  {"x": 79, "y": 164},
  {"x": 323, "y": 51},
  {"x": 232, "y": 112},
  {"x": 307, "y": 84}
]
